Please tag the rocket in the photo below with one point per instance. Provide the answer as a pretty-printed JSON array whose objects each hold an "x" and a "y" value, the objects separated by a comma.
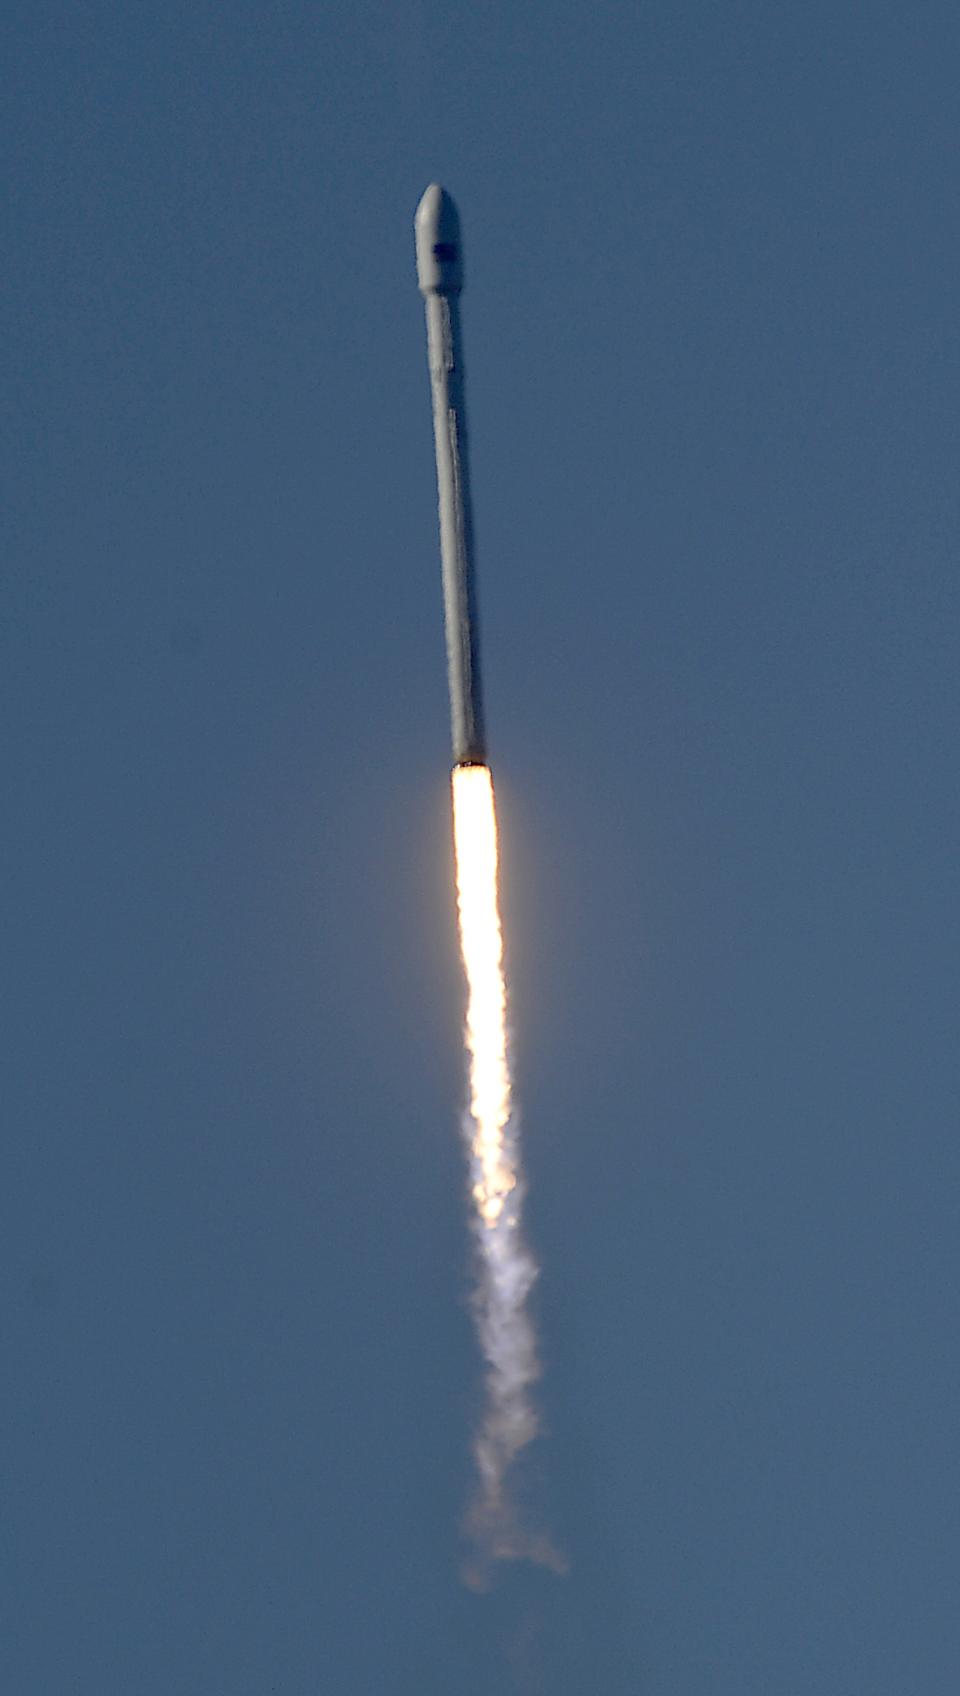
[{"x": 440, "y": 276}]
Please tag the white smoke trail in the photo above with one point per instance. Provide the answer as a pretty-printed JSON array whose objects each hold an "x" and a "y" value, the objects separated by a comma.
[{"x": 507, "y": 1268}]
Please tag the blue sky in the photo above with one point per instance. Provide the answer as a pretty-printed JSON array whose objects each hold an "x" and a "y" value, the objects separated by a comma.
[{"x": 712, "y": 372}]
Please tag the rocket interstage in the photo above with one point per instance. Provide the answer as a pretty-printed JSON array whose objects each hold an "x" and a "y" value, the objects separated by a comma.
[{"x": 506, "y": 1268}]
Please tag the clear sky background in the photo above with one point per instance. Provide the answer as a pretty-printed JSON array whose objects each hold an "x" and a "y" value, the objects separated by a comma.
[{"x": 713, "y": 377}]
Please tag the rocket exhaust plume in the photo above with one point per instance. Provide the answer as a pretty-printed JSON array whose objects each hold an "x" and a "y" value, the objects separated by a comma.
[{"x": 506, "y": 1267}]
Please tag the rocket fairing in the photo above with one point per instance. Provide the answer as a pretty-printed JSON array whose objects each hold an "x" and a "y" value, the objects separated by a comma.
[{"x": 440, "y": 276}]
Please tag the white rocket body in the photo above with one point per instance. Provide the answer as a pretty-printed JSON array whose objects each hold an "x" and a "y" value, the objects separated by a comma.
[{"x": 440, "y": 276}]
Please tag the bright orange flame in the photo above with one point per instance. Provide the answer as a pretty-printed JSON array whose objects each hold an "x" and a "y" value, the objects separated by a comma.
[{"x": 481, "y": 942}]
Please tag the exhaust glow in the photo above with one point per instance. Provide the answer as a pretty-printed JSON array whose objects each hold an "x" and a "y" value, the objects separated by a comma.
[{"x": 481, "y": 942}]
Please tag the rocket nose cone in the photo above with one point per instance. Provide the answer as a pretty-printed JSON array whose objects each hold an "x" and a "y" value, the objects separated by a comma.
[{"x": 439, "y": 254}]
